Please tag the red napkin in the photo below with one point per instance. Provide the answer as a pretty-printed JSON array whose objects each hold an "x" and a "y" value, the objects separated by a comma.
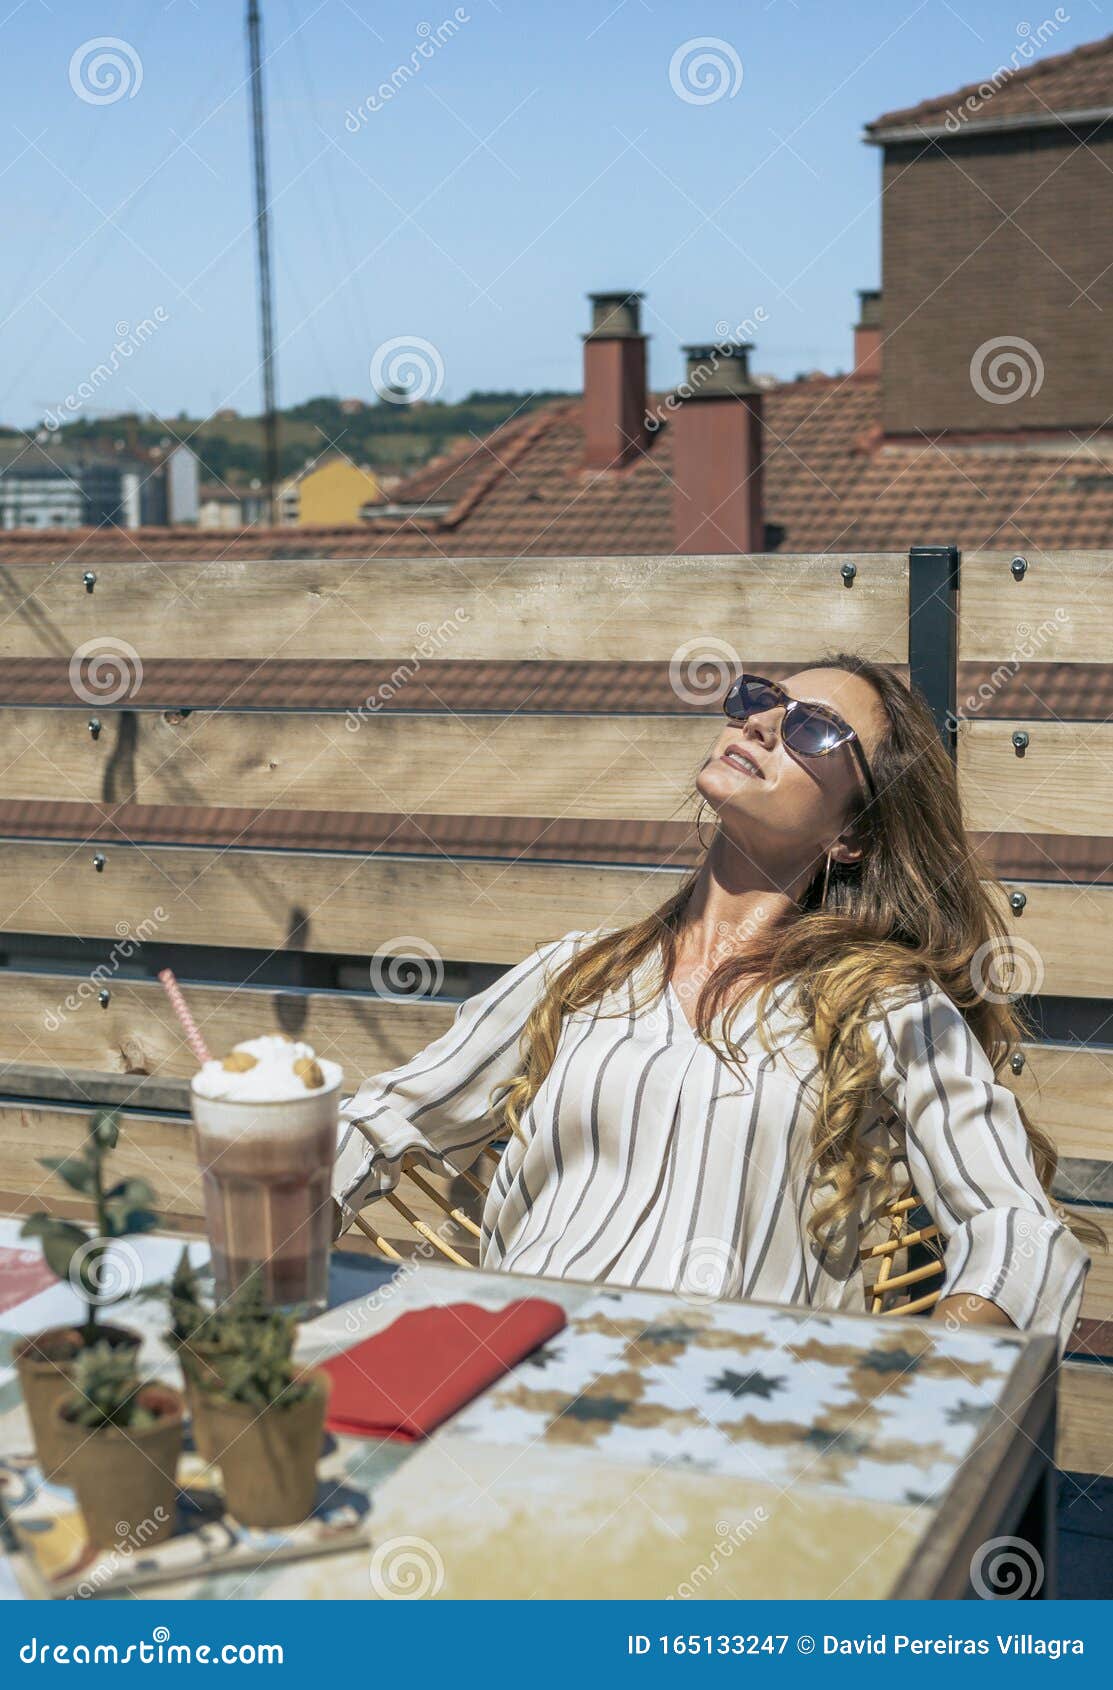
[{"x": 402, "y": 1382}]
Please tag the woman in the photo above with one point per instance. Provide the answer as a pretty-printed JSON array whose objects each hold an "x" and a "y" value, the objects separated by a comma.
[{"x": 724, "y": 1095}]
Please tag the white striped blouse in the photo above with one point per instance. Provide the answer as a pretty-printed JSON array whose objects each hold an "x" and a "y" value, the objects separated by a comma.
[{"x": 647, "y": 1162}]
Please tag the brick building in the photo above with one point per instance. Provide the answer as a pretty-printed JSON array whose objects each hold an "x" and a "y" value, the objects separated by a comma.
[{"x": 997, "y": 254}]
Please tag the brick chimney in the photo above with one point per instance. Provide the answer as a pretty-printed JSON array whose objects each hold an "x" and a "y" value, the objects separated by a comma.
[
  {"x": 614, "y": 381},
  {"x": 717, "y": 452},
  {"x": 867, "y": 333}
]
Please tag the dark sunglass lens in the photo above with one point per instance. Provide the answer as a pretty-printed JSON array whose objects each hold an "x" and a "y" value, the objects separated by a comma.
[
  {"x": 749, "y": 694},
  {"x": 811, "y": 732}
]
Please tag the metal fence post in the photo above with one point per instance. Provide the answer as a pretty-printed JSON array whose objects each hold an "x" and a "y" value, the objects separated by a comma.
[{"x": 933, "y": 575}]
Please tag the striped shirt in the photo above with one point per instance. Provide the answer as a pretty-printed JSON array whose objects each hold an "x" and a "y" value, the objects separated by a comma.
[{"x": 649, "y": 1161}]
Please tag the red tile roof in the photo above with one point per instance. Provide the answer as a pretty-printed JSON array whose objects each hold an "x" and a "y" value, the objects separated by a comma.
[
  {"x": 832, "y": 483},
  {"x": 1022, "y": 92}
]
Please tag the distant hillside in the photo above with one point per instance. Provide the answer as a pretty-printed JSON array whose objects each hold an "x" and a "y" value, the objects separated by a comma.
[{"x": 390, "y": 437}]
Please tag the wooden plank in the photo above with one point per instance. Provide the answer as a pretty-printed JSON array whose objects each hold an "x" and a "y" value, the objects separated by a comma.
[
  {"x": 1085, "y": 1441},
  {"x": 624, "y": 609},
  {"x": 1065, "y": 936},
  {"x": 478, "y": 911},
  {"x": 56, "y": 1021},
  {"x": 1060, "y": 611},
  {"x": 335, "y": 903},
  {"x": 635, "y": 767},
  {"x": 1060, "y": 785},
  {"x": 159, "y": 1148},
  {"x": 1097, "y": 1298},
  {"x": 1065, "y": 1089}
]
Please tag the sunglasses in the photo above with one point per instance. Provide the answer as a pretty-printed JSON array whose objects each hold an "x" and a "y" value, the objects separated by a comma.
[{"x": 811, "y": 730}]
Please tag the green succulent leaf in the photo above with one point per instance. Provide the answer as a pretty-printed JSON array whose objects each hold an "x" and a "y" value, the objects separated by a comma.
[
  {"x": 89, "y": 1274},
  {"x": 122, "y": 1219},
  {"x": 60, "y": 1241},
  {"x": 104, "y": 1128},
  {"x": 77, "y": 1171},
  {"x": 136, "y": 1192}
]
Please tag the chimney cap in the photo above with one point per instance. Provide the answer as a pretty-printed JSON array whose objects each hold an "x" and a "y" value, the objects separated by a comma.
[
  {"x": 615, "y": 315},
  {"x": 718, "y": 370},
  {"x": 721, "y": 349},
  {"x": 869, "y": 308}
]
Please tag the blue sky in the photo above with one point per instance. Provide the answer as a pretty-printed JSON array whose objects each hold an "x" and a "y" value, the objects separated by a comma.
[{"x": 540, "y": 151}]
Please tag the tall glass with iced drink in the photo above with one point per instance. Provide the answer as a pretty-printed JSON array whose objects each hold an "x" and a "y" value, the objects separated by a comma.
[{"x": 265, "y": 1123}]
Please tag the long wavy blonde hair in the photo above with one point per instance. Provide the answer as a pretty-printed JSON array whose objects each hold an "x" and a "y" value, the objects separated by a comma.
[{"x": 915, "y": 909}]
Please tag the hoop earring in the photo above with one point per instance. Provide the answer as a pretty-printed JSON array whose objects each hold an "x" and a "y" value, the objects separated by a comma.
[
  {"x": 826, "y": 876},
  {"x": 699, "y": 819}
]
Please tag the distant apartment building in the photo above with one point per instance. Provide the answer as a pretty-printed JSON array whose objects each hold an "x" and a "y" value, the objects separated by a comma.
[
  {"x": 43, "y": 485},
  {"x": 231, "y": 508},
  {"x": 330, "y": 492}
]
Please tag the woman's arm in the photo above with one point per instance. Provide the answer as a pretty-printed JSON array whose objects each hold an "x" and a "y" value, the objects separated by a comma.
[
  {"x": 1010, "y": 1258},
  {"x": 969, "y": 1311},
  {"x": 437, "y": 1105}
]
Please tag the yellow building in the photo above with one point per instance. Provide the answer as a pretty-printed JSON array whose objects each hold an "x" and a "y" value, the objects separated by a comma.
[{"x": 331, "y": 494}]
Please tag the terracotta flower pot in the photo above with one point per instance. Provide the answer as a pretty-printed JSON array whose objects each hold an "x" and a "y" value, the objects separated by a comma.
[
  {"x": 269, "y": 1456},
  {"x": 125, "y": 1477},
  {"x": 44, "y": 1366}
]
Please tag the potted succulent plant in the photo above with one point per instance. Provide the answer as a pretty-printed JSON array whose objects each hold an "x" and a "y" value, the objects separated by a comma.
[
  {"x": 122, "y": 1440},
  {"x": 268, "y": 1418},
  {"x": 206, "y": 1340},
  {"x": 45, "y": 1360}
]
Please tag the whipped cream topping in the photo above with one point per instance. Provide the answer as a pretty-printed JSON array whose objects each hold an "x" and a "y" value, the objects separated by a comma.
[{"x": 282, "y": 1070}]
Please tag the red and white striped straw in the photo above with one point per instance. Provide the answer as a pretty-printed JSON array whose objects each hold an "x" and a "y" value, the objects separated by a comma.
[{"x": 189, "y": 1025}]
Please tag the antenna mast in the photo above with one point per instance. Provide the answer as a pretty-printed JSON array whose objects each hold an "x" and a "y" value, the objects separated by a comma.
[{"x": 263, "y": 256}]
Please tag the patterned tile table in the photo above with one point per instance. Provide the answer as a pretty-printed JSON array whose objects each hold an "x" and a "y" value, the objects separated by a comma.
[{"x": 659, "y": 1446}]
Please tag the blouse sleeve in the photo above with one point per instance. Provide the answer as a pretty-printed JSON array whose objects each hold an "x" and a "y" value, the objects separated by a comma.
[
  {"x": 971, "y": 1163},
  {"x": 438, "y": 1104}
]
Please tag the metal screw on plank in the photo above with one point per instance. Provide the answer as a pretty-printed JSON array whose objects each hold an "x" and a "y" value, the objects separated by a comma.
[
  {"x": 94, "y": 726},
  {"x": 1019, "y": 567},
  {"x": 1020, "y": 741},
  {"x": 848, "y": 572},
  {"x": 1017, "y": 902},
  {"x": 90, "y": 580},
  {"x": 98, "y": 862},
  {"x": 104, "y": 997},
  {"x": 1016, "y": 1061}
]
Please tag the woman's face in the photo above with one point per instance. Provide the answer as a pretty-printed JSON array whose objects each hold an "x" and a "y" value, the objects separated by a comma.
[{"x": 793, "y": 808}]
